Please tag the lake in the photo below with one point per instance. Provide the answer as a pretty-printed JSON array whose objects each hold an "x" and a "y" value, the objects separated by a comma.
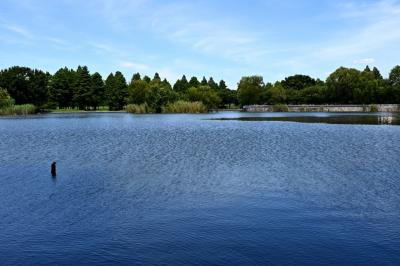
[{"x": 196, "y": 190}]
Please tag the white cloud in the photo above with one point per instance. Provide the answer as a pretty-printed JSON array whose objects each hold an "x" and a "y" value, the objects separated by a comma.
[
  {"x": 133, "y": 65},
  {"x": 380, "y": 27},
  {"x": 364, "y": 61},
  {"x": 19, "y": 30}
]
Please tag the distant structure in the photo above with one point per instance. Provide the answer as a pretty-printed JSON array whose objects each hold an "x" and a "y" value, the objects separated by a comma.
[{"x": 53, "y": 169}]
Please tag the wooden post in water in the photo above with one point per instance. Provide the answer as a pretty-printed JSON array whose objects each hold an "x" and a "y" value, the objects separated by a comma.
[{"x": 53, "y": 169}]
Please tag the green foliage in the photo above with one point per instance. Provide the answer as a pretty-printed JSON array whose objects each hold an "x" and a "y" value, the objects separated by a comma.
[
  {"x": 349, "y": 86},
  {"x": 139, "y": 108},
  {"x": 185, "y": 107},
  {"x": 155, "y": 93},
  {"x": 181, "y": 85},
  {"x": 116, "y": 91},
  {"x": 250, "y": 90},
  {"x": 25, "y": 85},
  {"x": 205, "y": 95},
  {"x": 277, "y": 94},
  {"x": 97, "y": 91},
  {"x": 82, "y": 91},
  {"x": 193, "y": 82},
  {"x": 280, "y": 108},
  {"x": 61, "y": 88},
  {"x": 68, "y": 89},
  {"x": 377, "y": 74},
  {"x": 374, "y": 108},
  {"x": 298, "y": 82},
  {"x": 313, "y": 95},
  {"x": 5, "y": 99},
  {"x": 342, "y": 85},
  {"x": 394, "y": 76},
  {"x": 23, "y": 109}
]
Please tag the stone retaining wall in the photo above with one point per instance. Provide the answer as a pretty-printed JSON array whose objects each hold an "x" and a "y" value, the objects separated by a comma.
[{"x": 323, "y": 108}]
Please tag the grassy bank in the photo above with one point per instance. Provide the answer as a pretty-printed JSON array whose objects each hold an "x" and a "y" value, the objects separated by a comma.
[
  {"x": 24, "y": 109},
  {"x": 185, "y": 107},
  {"x": 179, "y": 107},
  {"x": 139, "y": 109}
]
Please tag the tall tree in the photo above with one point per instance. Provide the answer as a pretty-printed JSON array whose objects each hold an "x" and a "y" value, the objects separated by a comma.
[
  {"x": 82, "y": 93},
  {"x": 181, "y": 85},
  {"x": 156, "y": 77},
  {"x": 119, "y": 92},
  {"x": 25, "y": 85},
  {"x": 204, "y": 81},
  {"x": 250, "y": 90},
  {"x": 394, "y": 81},
  {"x": 194, "y": 82},
  {"x": 298, "y": 82},
  {"x": 61, "y": 88},
  {"x": 135, "y": 76},
  {"x": 377, "y": 74},
  {"x": 342, "y": 85},
  {"x": 97, "y": 92}
]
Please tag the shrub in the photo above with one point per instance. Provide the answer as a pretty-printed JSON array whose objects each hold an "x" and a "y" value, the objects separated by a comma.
[
  {"x": 280, "y": 108},
  {"x": 24, "y": 109},
  {"x": 185, "y": 107},
  {"x": 139, "y": 108},
  {"x": 5, "y": 99},
  {"x": 374, "y": 108}
]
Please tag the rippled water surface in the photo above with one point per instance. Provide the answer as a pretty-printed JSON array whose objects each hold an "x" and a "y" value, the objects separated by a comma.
[{"x": 187, "y": 190}]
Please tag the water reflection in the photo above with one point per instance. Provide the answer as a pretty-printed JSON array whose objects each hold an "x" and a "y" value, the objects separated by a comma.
[{"x": 386, "y": 119}]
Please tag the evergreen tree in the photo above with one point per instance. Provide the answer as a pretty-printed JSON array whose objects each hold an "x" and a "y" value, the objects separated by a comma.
[
  {"x": 97, "y": 92},
  {"x": 61, "y": 88},
  {"x": 394, "y": 81},
  {"x": 82, "y": 91},
  {"x": 135, "y": 76},
  {"x": 181, "y": 85},
  {"x": 377, "y": 74},
  {"x": 204, "y": 81},
  {"x": 194, "y": 82},
  {"x": 147, "y": 79},
  {"x": 214, "y": 86},
  {"x": 156, "y": 77},
  {"x": 109, "y": 90},
  {"x": 119, "y": 92}
]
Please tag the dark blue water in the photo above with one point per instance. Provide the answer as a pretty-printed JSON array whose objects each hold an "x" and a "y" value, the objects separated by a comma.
[{"x": 185, "y": 190}]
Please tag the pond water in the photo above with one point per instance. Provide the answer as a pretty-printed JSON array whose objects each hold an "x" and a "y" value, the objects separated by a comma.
[{"x": 190, "y": 190}]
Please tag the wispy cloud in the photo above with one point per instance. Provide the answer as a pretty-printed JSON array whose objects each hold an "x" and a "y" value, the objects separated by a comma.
[
  {"x": 181, "y": 23},
  {"x": 379, "y": 21},
  {"x": 364, "y": 61},
  {"x": 19, "y": 30},
  {"x": 133, "y": 65}
]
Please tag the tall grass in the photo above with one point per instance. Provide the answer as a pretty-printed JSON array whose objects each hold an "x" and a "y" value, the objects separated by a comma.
[
  {"x": 185, "y": 107},
  {"x": 24, "y": 109},
  {"x": 139, "y": 109}
]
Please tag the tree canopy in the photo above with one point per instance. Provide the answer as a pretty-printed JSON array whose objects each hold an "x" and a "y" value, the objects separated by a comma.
[{"x": 69, "y": 88}]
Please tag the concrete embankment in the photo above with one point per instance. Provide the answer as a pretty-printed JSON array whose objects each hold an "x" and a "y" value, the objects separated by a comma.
[{"x": 323, "y": 108}]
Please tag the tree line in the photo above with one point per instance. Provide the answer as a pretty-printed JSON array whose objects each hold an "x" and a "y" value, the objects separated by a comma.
[
  {"x": 70, "y": 88},
  {"x": 78, "y": 88},
  {"x": 343, "y": 86}
]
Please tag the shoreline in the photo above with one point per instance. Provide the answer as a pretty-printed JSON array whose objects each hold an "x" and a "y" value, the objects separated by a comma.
[{"x": 324, "y": 108}]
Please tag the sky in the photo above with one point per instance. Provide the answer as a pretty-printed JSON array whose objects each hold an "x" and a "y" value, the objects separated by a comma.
[{"x": 224, "y": 39}]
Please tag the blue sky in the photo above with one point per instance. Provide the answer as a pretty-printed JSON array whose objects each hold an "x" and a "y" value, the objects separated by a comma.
[{"x": 221, "y": 38}]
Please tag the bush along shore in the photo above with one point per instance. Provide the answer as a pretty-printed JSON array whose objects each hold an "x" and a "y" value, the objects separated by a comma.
[
  {"x": 78, "y": 89},
  {"x": 8, "y": 107}
]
